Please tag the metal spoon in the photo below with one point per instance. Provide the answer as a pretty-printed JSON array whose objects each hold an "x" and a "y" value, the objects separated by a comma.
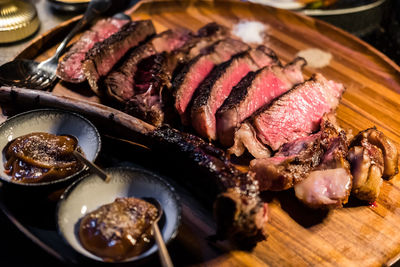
[
  {"x": 34, "y": 75},
  {"x": 162, "y": 249},
  {"x": 92, "y": 167}
]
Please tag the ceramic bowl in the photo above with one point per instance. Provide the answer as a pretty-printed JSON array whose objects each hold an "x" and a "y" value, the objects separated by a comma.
[
  {"x": 50, "y": 121},
  {"x": 90, "y": 192}
]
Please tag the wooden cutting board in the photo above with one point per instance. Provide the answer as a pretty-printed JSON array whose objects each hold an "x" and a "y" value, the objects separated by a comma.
[{"x": 358, "y": 235}]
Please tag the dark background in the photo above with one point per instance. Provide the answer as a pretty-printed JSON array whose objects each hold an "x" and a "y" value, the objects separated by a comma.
[{"x": 18, "y": 250}]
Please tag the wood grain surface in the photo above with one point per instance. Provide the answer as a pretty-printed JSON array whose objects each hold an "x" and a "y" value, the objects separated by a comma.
[{"x": 357, "y": 235}]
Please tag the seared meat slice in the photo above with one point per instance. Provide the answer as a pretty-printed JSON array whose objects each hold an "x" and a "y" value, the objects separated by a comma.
[
  {"x": 121, "y": 82},
  {"x": 70, "y": 67},
  {"x": 104, "y": 55},
  {"x": 295, "y": 160},
  {"x": 254, "y": 91},
  {"x": 151, "y": 77},
  {"x": 329, "y": 185},
  {"x": 216, "y": 88},
  {"x": 205, "y": 37},
  {"x": 197, "y": 69},
  {"x": 366, "y": 167},
  {"x": 286, "y": 169},
  {"x": 240, "y": 213},
  {"x": 246, "y": 137},
  {"x": 372, "y": 155},
  {"x": 388, "y": 148},
  {"x": 298, "y": 112}
]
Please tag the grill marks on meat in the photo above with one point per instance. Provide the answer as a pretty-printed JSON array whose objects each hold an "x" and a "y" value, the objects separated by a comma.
[
  {"x": 70, "y": 67},
  {"x": 254, "y": 91},
  {"x": 240, "y": 213},
  {"x": 104, "y": 55},
  {"x": 196, "y": 70},
  {"x": 372, "y": 156},
  {"x": 213, "y": 91},
  {"x": 121, "y": 82},
  {"x": 298, "y": 112}
]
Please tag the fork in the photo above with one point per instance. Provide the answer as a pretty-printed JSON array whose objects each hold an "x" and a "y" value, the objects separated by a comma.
[{"x": 39, "y": 76}]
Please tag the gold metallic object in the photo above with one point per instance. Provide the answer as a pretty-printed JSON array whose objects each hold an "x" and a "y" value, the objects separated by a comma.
[{"x": 18, "y": 20}]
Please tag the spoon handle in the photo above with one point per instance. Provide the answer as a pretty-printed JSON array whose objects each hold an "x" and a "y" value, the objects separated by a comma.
[
  {"x": 93, "y": 167},
  {"x": 162, "y": 249},
  {"x": 95, "y": 8}
]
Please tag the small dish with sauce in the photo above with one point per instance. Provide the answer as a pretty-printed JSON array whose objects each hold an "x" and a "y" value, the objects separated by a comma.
[
  {"x": 90, "y": 200},
  {"x": 37, "y": 147}
]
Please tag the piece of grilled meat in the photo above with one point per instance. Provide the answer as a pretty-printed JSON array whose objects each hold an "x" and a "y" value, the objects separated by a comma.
[
  {"x": 372, "y": 156},
  {"x": 239, "y": 211}
]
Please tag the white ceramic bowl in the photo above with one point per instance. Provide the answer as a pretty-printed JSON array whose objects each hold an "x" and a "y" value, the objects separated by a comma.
[
  {"x": 90, "y": 192},
  {"x": 50, "y": 121}
]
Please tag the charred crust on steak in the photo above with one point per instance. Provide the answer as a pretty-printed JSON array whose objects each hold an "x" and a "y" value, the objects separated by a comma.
[
  {"x": 239, "y": 91},
  {"x": 245, "y": 211},
  {"x": 202, "y": 94}
]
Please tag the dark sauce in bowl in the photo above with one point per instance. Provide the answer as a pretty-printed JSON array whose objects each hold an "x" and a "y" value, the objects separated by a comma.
[
  {"x": 119, "y": 230},
  {"x": 41, "y": 157}
]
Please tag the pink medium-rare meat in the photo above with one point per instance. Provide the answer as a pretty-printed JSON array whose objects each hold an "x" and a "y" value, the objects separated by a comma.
[
  {"x": 295, "y": 160},
  {"x": 197, "y": 69},
  {"x": 254, "y": 91},
  {"x": 70, "y": 67},
  {"x": 104, "y": 55},
  {"x": 121, "y": 82},
  {"x": 298, "y": 112},
  {"x": 217, "y": 87}
]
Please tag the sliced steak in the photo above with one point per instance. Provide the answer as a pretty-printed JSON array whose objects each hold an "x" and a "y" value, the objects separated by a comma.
[
  {"x": 70, "y": 67},
  {"x": 254, "y": 91},
  {"x": 295, "y": 160},
  {"x": 240, "y": 213},
  {"x": 121, "y": 83},
  {"x": 150, "y": 78},
  {"x": 197, "y": 69},
  {"x": 205, "y": 37},
  {"x": 298, "y": 112},
  {"x": 213, "y": 91},
  {"x": 104, "y": 55}
]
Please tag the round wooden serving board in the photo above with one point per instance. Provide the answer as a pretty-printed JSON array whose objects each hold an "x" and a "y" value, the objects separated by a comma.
[{"x": 357, "y": 235}]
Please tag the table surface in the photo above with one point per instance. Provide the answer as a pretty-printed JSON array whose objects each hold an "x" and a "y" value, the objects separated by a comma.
[{"x": 387, "y": 39}]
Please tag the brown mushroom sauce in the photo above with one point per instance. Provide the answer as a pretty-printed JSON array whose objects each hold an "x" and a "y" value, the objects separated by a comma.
[
  {"x": 119, "y": 230},
  {"x": 41, "y": 157}
]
